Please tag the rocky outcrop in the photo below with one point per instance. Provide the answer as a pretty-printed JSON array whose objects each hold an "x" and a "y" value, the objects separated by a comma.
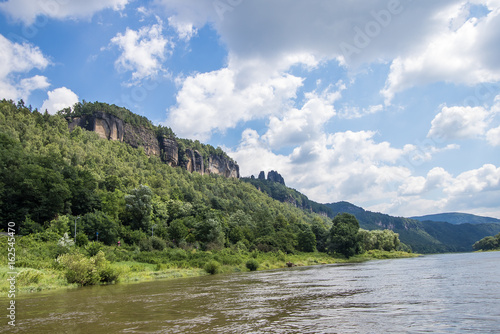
[
  {"x": 105, "y": 125},
  {"x": 223, "y": 166},
  {"x": 194, "y": 161},
  {"x": 137, "y": 136},
  {"x": 169, "y": 151},
  {"x": 274, "y": 176},
  {"x": 110, "y": 127}
]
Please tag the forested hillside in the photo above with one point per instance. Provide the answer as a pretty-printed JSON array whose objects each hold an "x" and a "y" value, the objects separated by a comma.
[
  {"x": 51, "y": 177},
  {"x": 423, "y": 237},
  {"x": 457, "y": 218}
]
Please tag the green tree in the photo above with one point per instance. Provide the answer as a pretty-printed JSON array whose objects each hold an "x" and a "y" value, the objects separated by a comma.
[
  {"x": 139, "y": 208},
  {"x": 344, "y": 235},
  {"x": 306, "y": 240}
]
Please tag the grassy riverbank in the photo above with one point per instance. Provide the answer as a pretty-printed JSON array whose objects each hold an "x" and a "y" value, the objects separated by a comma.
[{"x": 45, "y": 266}]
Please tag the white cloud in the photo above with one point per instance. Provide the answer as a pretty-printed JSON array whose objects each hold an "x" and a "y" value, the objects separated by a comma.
[
  {"x": 185, "y": 30},
  {"x": 216, "y": 101},
  {"x": 143, "y": 51},
  {"x": 297, "y": 126},
  {"x": 459, "y": 51},
  {"x": 493, "y": 136},
  {"x": 58, "y": 99},
  {"x": 343, "y": 166},
  {"x": 16, "y": 61},
  {"x": 486, "y": 178},
  {"x": 28, "y": 10},
  {"x": 459, "y": 123},
  {"x": 436, "y": 178},
  {"x": 351, "y": 112}
]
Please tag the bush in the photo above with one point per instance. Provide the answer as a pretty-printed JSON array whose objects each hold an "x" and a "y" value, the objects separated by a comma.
[
  {"x": 158, "y": 243},
  {"x": 79, "y": 269},
  {"x": 93, "y": 248},
  {"x": 213, "y": 267},
  {"x": 252, "y": 265},
  {"x": 145, "y": 245},
  {"x": 81, "y": 239},
  {"x": 87, "y": 271},
  {"x": 29, "y": 276},
  {"x": 108, "y": 274}
]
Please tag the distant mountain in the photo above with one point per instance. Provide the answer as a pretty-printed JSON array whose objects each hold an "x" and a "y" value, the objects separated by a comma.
[
  {"x": 423, "y": 237},
  {"x": 457, "y": 218}
]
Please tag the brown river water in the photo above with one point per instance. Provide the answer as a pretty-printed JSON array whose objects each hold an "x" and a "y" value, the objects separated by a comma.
[{"x": 447, "y": 293}]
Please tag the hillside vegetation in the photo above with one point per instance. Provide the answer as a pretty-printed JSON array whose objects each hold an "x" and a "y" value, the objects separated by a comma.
[{"x": 132, "y": 211}]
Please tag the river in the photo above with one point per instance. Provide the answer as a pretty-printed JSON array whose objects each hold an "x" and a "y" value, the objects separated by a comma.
[{"x": 446, "y": 293}]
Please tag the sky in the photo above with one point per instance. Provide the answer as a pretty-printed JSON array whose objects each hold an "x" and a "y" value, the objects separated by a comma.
[{"x": 392, "y": 105}]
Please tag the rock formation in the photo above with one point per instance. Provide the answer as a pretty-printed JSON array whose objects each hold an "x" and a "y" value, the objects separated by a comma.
[
  {"x": 169, "y": 151},
  {"x": 107, "y": 126},
  {"x": 194, "y": 162},
  {"x": 222, "y": 166},
  {"x": 274, "y": 176},
  {"x": 110, "y": 127}
]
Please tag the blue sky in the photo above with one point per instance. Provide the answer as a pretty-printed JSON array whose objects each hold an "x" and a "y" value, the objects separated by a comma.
[{"x": 393, "y": 105}]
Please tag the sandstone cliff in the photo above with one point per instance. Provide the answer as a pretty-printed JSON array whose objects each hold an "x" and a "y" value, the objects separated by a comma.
[{"x": 110, "y": 127}]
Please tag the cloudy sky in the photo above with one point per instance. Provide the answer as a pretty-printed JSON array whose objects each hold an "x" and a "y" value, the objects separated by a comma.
[{"x": 393, "y": 105}]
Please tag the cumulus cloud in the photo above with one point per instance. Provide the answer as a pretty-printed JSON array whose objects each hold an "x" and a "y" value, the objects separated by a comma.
[
  {"x": 343, "y": 166},
  {"x": 28, "y": 10},
  {"x": 459, "y": 123},
  {"x": 58, "y": 99},
  {"x": 297, "y": 126},
  {"x": 16, "y": 61},
  {"x": 217, "y": 101},
  {"x": 143, "y": 51},
  {"x": 493, "y": 136},
  {"x": 436, "y": 178},
  {"x": 462, "y": 51}
]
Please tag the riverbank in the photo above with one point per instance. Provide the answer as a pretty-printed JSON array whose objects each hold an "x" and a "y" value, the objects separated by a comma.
[{"x": 173, "y": 264}]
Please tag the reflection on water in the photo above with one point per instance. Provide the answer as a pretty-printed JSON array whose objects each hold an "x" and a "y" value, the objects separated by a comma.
[{"x": 453, "y": 293}]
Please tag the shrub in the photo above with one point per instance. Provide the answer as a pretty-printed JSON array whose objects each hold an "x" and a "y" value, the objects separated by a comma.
[
  {"x": 87, "y": 271},
  {"x": 252, "y": 265},
  {"x": 213, "y": 267},
  {"x": 178, "y": 254},
  {"x": 66, "y": 241},
  {"x": 108, "y": 274},
  {"x": 29, "y": 276},
  {"x": 79, "y": 269},
  {"x": 81, "y": 239},
  {"x": 158, "y": 243},
  {"x": 93, "y": 248},
  {"x": 145, "y": 245}
]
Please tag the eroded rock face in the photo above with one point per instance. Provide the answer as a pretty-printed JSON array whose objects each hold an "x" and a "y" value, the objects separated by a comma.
[
  {"x": 170, "y": 151},
  {"x": 110, "y": 127},
  {"x": 105, "y": 125},
  {"x": 222, "y": 166},
  {"x": 194, "y": 161},
  {"x": 137, "y": 136},
  {"x": 274, "y": 176}
]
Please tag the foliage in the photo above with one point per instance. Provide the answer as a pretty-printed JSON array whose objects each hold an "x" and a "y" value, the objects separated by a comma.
[
  {"x": 379, "y": 239},
  {"x": 488, "y": 243},
  {"x": 252, "y": 265},
  {"x": 66, "y": 241},
  {"x": 50, "y": 176},
  {"x": 87, "y": 271},
  {"x": 212, "y": 267},
  {"x": 345, "y": 235},
  {"x": 89, "y": 108}
]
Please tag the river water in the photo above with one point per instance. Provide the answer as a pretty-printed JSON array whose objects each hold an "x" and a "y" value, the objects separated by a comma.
[{"x": 448, "y": 293}]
